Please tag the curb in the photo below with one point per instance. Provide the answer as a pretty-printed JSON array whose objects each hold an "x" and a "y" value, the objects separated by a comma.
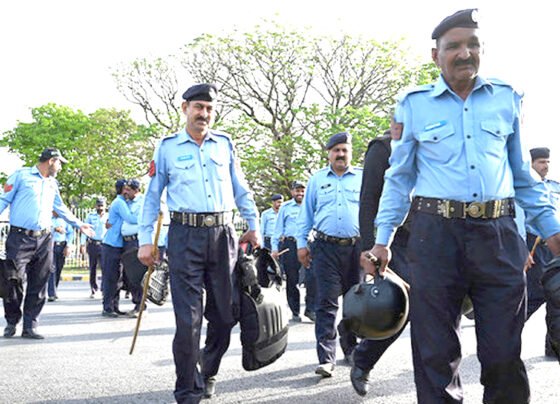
[{"x": 70, "y": 277}]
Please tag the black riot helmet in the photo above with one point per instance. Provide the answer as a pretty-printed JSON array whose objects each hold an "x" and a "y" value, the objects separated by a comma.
[
  {"x": 550, "y": 281},
  {"x": 376, "y": 309}
]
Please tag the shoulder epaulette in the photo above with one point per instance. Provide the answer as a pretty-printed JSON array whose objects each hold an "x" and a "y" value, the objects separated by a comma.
[
  {"x": 220, "y": 133},
  {"x": 417, "y": 89},
  {"x": 169, "y": 136},
  {"x": 499, "y": 82}
]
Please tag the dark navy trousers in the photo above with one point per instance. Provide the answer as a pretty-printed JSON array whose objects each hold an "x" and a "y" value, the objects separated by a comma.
[
  {"x": 112, "y": 276},
  {"x": 94, "y": 253},
  {"x": 56, "y": 270},
  {"x": 33, "y": 258},
  {"x": 291, "y": 265},
  {"x": 368, "y": 352},
  {"x": 200, "y": 259},
  {"x": 134, "y": 289},
  {"x": 448, "y": 259},
  {"x": 337, "y": 269}
]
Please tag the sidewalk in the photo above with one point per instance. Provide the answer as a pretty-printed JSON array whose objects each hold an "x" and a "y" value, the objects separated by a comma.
[{"x": 76, "y": 277}]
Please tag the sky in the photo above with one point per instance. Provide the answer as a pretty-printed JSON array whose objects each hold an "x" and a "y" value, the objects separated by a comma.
[{"x": 62, "y": 51}]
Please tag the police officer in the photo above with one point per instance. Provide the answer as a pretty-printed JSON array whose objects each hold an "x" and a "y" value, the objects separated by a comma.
[
  {"x": 540, "y": 159},
  {"x": 330, "y": 207},
  {"x": 376, "y": 161},
  {"x": 129, "y": 233},
  {"x": 92, "y": 245},
  {"x": 457, "y": 148},
  {"x": 268, "y": 220},
  {"x": 32, "y": 194},
  {"x": 63, "y": 235},
  {"x": 284, "y": 238},
  {"x": 112, "y": 249},
  {"x": 204, "y": 184}
]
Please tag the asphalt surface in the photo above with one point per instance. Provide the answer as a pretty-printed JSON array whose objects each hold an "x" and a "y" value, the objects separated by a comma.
[{"x": 85, "y": 359}]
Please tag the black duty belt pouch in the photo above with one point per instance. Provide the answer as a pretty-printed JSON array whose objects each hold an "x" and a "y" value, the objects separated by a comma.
[{"x": 262, "y": 320}]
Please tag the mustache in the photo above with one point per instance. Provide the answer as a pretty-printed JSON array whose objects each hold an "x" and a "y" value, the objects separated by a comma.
[
  {"x": 203, "y": 119},
  {"x": 340, "y": 158},
  {"x": 464, "y": 62}
]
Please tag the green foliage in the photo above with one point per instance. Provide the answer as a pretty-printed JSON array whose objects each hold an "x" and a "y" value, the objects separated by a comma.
[{"x": 99, "y": 147}]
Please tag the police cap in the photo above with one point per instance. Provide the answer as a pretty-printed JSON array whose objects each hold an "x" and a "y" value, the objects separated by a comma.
[
  {"x": 203, "y": 92},
  {"x": 297, "y": 184},
  {"x": 119, "y": 185},
  {"x": 134, "y": 184},
  {"x": 461, "y": 19},
  {"x": 51, "y": 152},
  {"x": 100, "y": 201},
  {"x": 276, "y": 197},
  {"x": 540, "y": 153},
  {"x": 343, "y": 137}
]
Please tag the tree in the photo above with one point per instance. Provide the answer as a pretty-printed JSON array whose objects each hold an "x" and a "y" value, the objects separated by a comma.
[
  {"x": 100, "y": 147},
  {"x": 284, "y": 93}
]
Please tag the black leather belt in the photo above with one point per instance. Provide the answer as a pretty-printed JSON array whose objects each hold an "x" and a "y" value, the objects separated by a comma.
[
  {"x": 202, "y": 219},
  {"x": 95, "y": 242},
  {"x": 344, "y": 241},
  {"x": 289, "y": 238},
  {"x": 30, "y": 233},
  {"x": 461, "y": 210},
  {"x": 132, "y": 237},
  {"x": 60, "y": 243}
]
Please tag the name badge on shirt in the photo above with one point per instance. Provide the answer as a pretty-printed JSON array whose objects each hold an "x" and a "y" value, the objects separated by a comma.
[
  {"x": 434, "y": 125},
  {"x": 185, "y": 158}
]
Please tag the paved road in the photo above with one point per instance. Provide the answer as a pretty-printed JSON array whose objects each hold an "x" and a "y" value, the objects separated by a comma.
[{"x": 85, "y": 360}]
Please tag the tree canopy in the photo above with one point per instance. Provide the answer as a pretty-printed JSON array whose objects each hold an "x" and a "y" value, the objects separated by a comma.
[
  {"x": 283, "y": 93},
  {"x": 100, "y": 147}
]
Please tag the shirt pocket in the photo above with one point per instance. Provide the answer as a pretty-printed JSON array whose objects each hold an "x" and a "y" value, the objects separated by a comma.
[
  {"x": 352, "y": 195},
  {"x": 495, "y": 133},
  {"x": 185, "y": 171},
  {"x": 220, "y": 167},
  {"x": 325, "y": 196},
  {"x": 438, "y": 143}
]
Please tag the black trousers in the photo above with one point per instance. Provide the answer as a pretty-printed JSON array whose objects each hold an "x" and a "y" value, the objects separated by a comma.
[
  {"x": 448, "y": 259},
  {"x": 368, "y": 352},
  {"x": 337, "y": 269},
  {"x": 291, "y": 265},
  {"x": 94, "y": 253},
  {"x": 200, "y": 258},
  {"x": 112, "y": 276},
  {"x": 33, "y": 257},
  {"x": 135, "y": 289}
]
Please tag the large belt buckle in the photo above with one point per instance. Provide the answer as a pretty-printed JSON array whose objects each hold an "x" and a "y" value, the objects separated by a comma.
[
  {"x": 475, "y": 209},
  {"x": 444, "y": 209},
  {"x": 209, "y": 220}
]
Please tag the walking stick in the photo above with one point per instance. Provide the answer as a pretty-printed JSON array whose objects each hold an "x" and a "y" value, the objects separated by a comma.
[
  {"x": 537, "y": 241},
  {"x": 147, "y": 282}
]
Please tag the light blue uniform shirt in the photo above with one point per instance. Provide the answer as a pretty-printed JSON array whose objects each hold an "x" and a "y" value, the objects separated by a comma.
[
  {"x": 286, "y": 223},
  {"x": 268, "y": 222},
  {"x": 205, "y": 178},
  {"x": 118, "y": 212},
  {"x": 58, "y": 237},
  {"x": 467, "y": 151},
  {"x": 32, "y": 199},
  {"x": 331, "y": 204},
  {"x": 553, "y": 188},
  {"x": 135, "y": 205},
  {"x": 98, "y": 224}
]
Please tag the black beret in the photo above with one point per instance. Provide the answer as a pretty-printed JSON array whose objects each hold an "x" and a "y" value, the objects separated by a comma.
[
  {"x": 540, "y": 153},
  {"x": 134, "y": 184},
  {"x": 100, "y": 201},
  {"x": 297, "y": 184},
  {"x": 51, "y": 152},
  {"x": 202, "y": 92},
  {"x": 461, "y": 19},
  {"x": 276, "y": 197},
  {"x": 342, "y": 137}
]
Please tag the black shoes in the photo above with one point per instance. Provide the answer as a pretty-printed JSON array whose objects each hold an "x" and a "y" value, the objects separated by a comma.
[
  {"x": 209, "y": 386},
  {"x": 9, "y": 331},
  {"x": 359, "y": 379},
  {"x": 325, "y": 370},
  {"x": 310, "y": 315},
  {"x": 31, "y": 334},
  {"x": 110, "y": 314},
  {"x": 549, "y": 350}
]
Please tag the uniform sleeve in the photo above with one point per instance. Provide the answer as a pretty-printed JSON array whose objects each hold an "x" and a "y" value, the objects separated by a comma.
[
  {"x": 123, "y": 210},
  {"x": 243, "y": 195},
  {"x": 69, "y": 234},
  {"x": 10, "y": 190},
  {"x": 530, "y": 194},
  {"x": 62, "y": 211},
  {"x": 263, "y": 218},
  {"x": 83, "y": 237},
  {"x": 375, "y": 164},
  {"x": 400, "y": 179},
  {"x": 278, "y": 229},
  {"x": 306, "y": 214},
  {"x": 152, "y": 198}
]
